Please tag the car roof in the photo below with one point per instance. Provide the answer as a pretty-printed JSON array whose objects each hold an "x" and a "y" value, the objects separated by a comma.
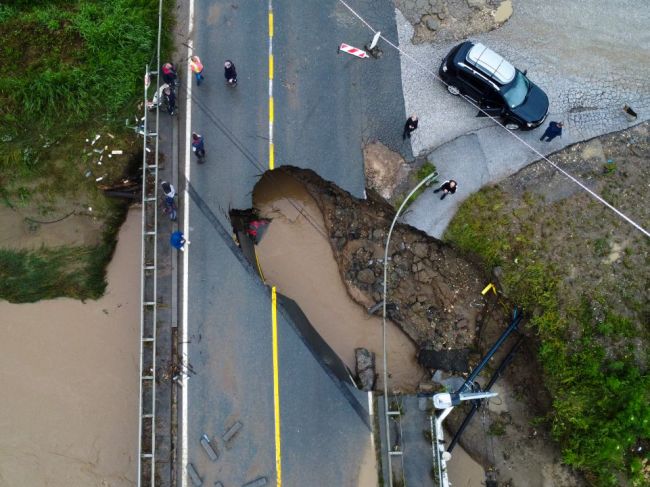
[{"x": 491, "y": 63}]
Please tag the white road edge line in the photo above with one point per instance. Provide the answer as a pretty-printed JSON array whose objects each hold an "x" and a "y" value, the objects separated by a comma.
[{"x": 186, "y": 231}]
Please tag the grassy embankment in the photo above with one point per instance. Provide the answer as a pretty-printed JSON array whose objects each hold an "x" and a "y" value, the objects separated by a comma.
[
  {"x": 582, "y": 276},
  {"x": 72, "y": 69}
]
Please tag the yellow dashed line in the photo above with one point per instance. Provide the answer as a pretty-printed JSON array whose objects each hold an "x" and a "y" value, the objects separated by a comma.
[
  {"x": 270, "y": 66},
  {"x": 271, "y": 109},
  {"x": 270, "y": 24},
  {"x": 276, "y": 388},
  {"x": 271, "y": 156}
]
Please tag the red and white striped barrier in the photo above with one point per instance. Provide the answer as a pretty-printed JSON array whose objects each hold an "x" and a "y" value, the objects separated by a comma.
[{"x": 353, "y": 50}]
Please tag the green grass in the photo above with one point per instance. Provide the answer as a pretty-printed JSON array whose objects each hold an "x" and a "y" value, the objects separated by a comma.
[
  {"x": 78, "y": 272},
  {"x": 73, "y": 68},
  {"x": 596, "y": 374},
  {"x": 425, "y": 170}
]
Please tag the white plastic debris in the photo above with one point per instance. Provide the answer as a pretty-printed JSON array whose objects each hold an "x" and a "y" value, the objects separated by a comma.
[
  {"x": 111, "y": 135},
  {"x": 99, "y": 178},
  {"x": 96, "y": 139},
  {"x": 90, "y": 208},
  {"x": 117, "y": 152}
]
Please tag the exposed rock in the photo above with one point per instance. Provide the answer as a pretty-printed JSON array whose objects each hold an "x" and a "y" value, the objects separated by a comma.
[
  {"x": 432, "y": 23},
  {"x": 421, "y": 250},
  {"x": 385, "y": 170},
  {"x": 504, "y": 12},
  {"x": 453, "y": 20},
  {"x": 451, "y": 360},
  {"x": 365, "y": 368},
  {"x": 476, "y": 3},
  {"x": 366, "y": 276}
]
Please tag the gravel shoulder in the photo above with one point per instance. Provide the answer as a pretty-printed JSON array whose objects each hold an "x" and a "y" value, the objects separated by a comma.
[{"x": 589, "y": 72}]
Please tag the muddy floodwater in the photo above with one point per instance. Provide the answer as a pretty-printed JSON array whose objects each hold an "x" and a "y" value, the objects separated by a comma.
[
  {"x": 296, "y": 257},
  {"x": 69, "y": 380}
]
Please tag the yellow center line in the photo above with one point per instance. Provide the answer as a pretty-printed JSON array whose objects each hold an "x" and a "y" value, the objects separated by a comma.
[
  {"x": 271, "y": 109},
  {"x": 271, "y": 104},
  {"x": 271, "y": 156},
  {"x": 276, "y": 388}
]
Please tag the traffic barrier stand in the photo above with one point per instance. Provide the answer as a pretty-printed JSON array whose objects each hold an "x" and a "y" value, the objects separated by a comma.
[{"x": 353, "y": 50}]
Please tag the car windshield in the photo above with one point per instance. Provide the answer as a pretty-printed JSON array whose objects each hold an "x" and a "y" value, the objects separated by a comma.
[{"x": 516, "y": 92}]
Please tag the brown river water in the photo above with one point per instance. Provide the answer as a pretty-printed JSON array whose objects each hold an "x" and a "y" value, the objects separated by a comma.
[{"x": 69, "y": 381}]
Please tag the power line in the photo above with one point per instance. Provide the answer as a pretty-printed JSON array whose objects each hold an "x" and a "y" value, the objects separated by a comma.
[
  {"x": 593, "y": 194},
  {"x": 251, "y": 159}
]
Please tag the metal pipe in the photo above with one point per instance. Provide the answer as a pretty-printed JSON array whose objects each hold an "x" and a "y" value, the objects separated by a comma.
[
  {"x": 475, "y": 404},
  {"x": 516, "y": 319},
  {"x": 385, "y": 374}
]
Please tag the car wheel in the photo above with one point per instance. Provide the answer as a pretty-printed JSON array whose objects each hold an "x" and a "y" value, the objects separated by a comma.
[
  {"x": 512, "y": 126},
  {"x": 453, "y": 90}
]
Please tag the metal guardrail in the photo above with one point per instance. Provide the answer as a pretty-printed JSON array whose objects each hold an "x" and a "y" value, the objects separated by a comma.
[
  {"x": 148, "y": 282},
  {"x": 148, "y": 299}
]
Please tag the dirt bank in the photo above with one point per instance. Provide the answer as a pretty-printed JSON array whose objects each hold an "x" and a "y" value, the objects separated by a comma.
[
  {"x": 434, "y": 291},
  {"x": 569, "y": 256},
  {"x": 70, "y": 375}
]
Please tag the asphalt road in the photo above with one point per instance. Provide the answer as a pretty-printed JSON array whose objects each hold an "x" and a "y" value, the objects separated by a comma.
[{"x": 324, "y": 428}]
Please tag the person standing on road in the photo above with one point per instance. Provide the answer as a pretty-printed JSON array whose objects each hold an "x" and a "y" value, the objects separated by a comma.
[
  {"x": 177, "y": 240},
  {"x": 553, "y": 130},
  {"x": 448, "y": 187},
  {"x": 197, "y": 69},
  {"x": 198, "y": 147},
  {"x": 168, "y": 73},
  {"x": 410, "y": 126},
  {"x": 230, "y": 72}
]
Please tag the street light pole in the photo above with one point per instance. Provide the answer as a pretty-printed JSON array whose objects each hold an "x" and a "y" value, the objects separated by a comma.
[{"x": 426, "y": 180}]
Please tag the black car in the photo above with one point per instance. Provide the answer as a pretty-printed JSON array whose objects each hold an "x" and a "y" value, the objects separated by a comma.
[{"x": 495, "y": 85}]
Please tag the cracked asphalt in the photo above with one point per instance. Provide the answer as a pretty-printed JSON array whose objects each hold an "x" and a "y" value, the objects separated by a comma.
[{"x": 591, "y": 58}]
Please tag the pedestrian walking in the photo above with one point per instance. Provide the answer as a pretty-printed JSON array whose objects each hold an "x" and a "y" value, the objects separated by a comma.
[
  {"x": 553, "y": 130},
  {"x": 448, "y": 187},
  {"x": 197, "y": 69},
  {"x": 198, "y": 147},
  {"x": 410, "y": 126},
  {"x": 168, "y": 73},
  {"x": 177, "y": 240},
  {"x": 170, "y": 100},
  {"x": 230, "y": 72}
]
